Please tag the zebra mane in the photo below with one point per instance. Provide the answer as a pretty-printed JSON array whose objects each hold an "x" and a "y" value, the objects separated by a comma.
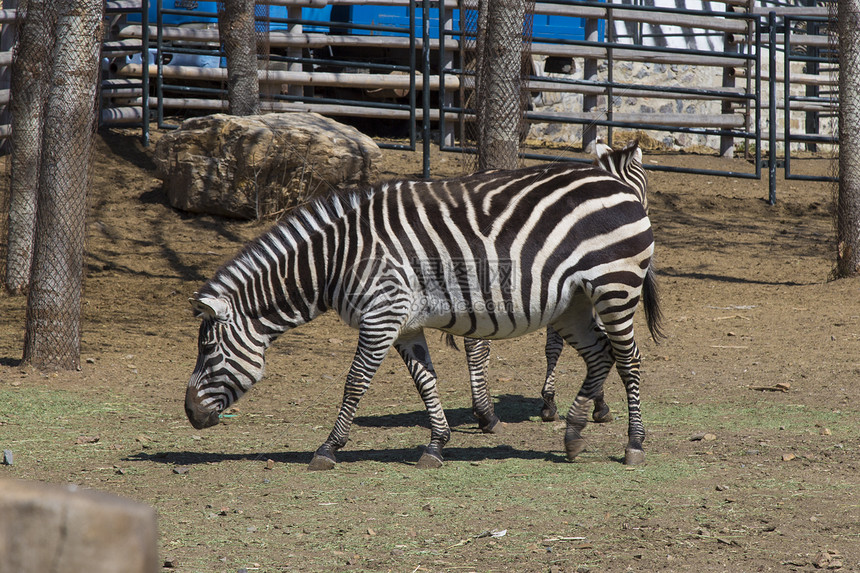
[
  {"x": 323, "y": 211},
  {"x": 299, "y": 225}
]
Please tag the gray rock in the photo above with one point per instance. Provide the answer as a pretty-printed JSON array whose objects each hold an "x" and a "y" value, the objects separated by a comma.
[{"x": 258, "y": 166}]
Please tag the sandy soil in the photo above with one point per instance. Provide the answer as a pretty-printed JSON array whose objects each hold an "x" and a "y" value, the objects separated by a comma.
[{"x": 748, "y": 306}]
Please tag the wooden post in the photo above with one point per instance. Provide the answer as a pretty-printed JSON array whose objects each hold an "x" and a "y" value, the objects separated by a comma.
[
  {"x": 85, "y": 531},
  {"x": 589, "y": 73},
  {"x": 295, "y": 52}
]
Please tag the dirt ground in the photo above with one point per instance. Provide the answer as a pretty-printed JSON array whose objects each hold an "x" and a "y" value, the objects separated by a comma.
[{"x": 750, "y": 406}]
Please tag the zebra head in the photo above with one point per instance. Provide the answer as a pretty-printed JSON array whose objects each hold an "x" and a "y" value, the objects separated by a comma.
[
  {"x": 229, "y": 361},
  {"x": 626, "y": 164}
]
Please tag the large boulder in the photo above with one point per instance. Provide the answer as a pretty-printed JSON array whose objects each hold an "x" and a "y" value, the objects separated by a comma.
[{"x": 260, "y": 165}]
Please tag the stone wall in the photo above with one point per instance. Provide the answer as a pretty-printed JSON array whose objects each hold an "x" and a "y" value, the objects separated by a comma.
[{"x": 680, "y": 75}]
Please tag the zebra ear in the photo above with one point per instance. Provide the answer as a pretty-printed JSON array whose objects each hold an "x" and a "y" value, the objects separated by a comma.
[
  {"x": 633, "y": 151},
  {"x": 602, "y": 150},
  {"x": 210, "y": 307}
]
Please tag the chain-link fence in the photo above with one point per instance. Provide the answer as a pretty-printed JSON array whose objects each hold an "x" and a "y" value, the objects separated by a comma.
[
  {"x": 498, "y": 33},
  {"x": 848, "y": 195},
  {"x": 238, "y": 33},
  {"x": 53, "y": 103}
]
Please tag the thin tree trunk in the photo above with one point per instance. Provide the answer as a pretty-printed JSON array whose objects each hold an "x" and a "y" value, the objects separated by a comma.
[
  {"x": 29, "y": 89},
  {"x": 848, "y": 200},
  {"x": 499, "y": 98},
  {"x": 53, "y": 337},
  {"x": 236, "y": 29}
]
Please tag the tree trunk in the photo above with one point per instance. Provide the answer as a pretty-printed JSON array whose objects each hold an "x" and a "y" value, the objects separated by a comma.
[
  {"x": 499, "y": 105},
  {"x": 52, "y": 339},
  {"x": 29, "y": 89},
  {"x": 848, "y": 200},
  {"x": 236, "y": 29}
]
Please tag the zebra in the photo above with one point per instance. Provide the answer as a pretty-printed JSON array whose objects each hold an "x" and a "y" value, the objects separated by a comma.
[
  {"x": 626, "y": 165},
  {"x": 557, "y": 245}
]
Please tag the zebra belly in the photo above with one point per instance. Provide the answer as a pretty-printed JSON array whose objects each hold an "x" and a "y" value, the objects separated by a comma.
[{"x": 489, "y": 319}]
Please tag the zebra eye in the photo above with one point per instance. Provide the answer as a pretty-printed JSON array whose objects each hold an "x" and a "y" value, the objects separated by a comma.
[{"x": 208, "y": 342}]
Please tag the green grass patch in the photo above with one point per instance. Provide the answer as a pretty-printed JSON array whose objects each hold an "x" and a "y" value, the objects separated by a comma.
[{"x": 761, "y": 415}]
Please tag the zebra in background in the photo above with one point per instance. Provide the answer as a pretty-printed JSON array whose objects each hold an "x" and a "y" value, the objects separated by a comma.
[
  {"x": 556, "y": 245},
  {"x": 626, "y": 165}
]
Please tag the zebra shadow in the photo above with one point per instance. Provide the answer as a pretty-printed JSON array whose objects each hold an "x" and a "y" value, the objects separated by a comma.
[
  {"x": 405, "y": 456},
  {"x": 510, "y": 408}
]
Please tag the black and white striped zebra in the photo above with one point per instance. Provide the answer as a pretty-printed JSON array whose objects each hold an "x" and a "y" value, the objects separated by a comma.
[
  {"x": 626, "y": 165},
  {"x": 492, "y": 255}
]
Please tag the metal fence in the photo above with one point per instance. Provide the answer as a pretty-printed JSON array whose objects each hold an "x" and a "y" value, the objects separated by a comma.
[{"x": 371, "y": 70}]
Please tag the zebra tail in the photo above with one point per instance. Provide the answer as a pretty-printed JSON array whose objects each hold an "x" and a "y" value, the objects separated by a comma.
[
  {"x": 651, "y": 302},
  {"x": 450, "y": 342}
]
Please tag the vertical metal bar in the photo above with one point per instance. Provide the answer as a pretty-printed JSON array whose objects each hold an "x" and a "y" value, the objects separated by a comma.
[
  {"x": 412, "y": 65},
  {"x": 425, "y": 89},
  {"x": 758, "y": 98},
  {"x": 771, "y": 112},
  {"x": 812, "y": 123},
  {"x": 144, "y": 59},
  {"x": 461, "y": 91},
  {"x": 610, "y": 65},
  {"x": 442, "y": 66},
  {"x": 752, "y": 34},
  {"x": 786, "y": 70},
  {"x": 727, "y": 142},
  {"x": 589, "y": 102},
  {"x": 159, "y": 75}
]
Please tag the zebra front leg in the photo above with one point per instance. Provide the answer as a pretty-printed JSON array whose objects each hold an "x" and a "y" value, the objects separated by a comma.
[
  {"x": 371, "y": 350},
  {"x": 413, "y": 350},
  {"x": 478, "y": 358}
]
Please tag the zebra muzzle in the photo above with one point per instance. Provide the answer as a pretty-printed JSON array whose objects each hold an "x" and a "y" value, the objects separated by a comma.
[
  {"x": 201, "y": 420},
  {"x": 199, "y": 417}
]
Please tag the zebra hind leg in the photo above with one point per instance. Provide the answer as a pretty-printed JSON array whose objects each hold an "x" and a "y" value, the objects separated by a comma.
[
  {"x": 628, "y": 367},
  {"x": 619, "y": 331},
  {"x": 598, "y": 360},
  {"x": 478, "y": 358},
  {"x": 549, "y": 412},
  {"x": 579, "y": 329},
  {"x": 601, "y": 414},
  {"x": 415, "y": 354}
]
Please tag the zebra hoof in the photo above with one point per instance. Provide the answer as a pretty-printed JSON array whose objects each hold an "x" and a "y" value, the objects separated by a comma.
[
  {"x": 320, "y": 463},
  {"x": 603, "y": 417},
  {"x": 428, "y": 461},
  {"x": 549, "y": 414},
  {"x": 494, "y": 426},
  {"x": 634, "y": 457},
  {"x": 574, "y": 447}
]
